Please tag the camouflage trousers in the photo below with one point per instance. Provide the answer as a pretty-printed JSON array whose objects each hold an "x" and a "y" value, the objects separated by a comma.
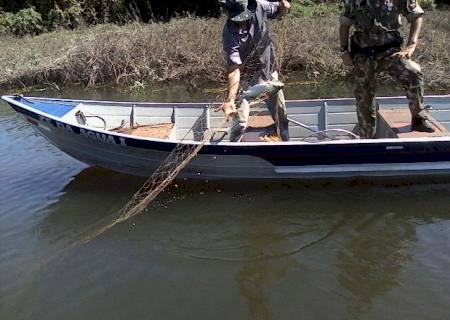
[{"x": 366, "y": 71}]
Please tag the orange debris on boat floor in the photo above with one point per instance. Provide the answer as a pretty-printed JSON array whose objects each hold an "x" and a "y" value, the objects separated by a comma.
[{"x": 159, "y": 131}]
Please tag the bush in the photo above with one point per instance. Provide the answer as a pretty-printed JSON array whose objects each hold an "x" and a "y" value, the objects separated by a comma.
[
  {"x": 428, "y": 4},
  {"x": 56, "y": 19},
  {"x": 73, "y": 16},
  {"x": 26, "y": 21},
  {"x": 6, "y": 21},
  {"x": 70, "y": 18}
]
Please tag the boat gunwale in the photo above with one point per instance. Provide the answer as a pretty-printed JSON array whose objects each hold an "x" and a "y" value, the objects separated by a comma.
[
  {"x": 190, "y": 104},
  {"x": 392, "y": 141}
]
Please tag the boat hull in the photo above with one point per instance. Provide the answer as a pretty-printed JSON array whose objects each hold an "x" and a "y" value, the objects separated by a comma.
[{"x": 341, "y": 159}]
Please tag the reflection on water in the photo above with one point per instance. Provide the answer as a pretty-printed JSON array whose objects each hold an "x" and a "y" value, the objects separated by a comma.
[
  {"x": 183, "y": 93},
  {"x": 274, "y": 243},
  {"x": 382, "y": 235},
  {"x": 236, "y": 250}
]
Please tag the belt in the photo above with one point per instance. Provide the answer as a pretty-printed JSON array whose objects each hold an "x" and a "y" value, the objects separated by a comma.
[{"x": 376, "y": 51}]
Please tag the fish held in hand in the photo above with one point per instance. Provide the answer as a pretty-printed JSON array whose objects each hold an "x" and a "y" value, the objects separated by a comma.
[
  {"x": 257, "y": 90},
  {"x": 239, "y": 122}
]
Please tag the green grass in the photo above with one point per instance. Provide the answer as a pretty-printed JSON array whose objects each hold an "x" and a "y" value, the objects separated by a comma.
[{"x": 309, "y": 9}]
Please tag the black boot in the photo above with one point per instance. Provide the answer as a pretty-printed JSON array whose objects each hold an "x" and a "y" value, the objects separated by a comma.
[
  {"x": 284, "y": 130},
  {"x": 422, "y": 125}
]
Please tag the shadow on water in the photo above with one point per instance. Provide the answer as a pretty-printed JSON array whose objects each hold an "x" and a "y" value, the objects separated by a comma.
[
  {"x": 362, "y": 231},
  {"x": 96, "y": 195}
]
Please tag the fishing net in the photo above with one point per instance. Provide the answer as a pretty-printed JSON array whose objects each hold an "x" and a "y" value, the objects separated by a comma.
[
  {"x": 187, "y": 149},
  {"x": 182, "y": 155},
  {"x": 169, "y": 169}
]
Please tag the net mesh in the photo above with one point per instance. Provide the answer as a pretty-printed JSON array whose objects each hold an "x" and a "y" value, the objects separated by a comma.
[
  {"x": 185, "y": 151},
  {"x": 169, "y": 169}
]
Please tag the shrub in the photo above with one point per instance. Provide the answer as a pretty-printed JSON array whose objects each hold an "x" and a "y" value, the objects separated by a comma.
[
  {"x": 70, "y": 18},
  {"x": 73, "y": 16},
  {"x": 27, "y": 21},
  {"x": 6, "y": 21},
  {"x": 56, "y": 18},
  {"x": 428, "y": 4}
]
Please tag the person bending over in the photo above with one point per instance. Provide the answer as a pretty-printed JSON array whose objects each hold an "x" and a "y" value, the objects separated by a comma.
[{"x": 250, "y": 54}]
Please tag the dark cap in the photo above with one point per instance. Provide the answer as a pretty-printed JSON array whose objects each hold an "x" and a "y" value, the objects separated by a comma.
[{"x": 239, "y": 10}]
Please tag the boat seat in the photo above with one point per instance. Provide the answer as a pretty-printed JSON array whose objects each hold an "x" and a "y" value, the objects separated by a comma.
[{"x": 396, "y": 123}]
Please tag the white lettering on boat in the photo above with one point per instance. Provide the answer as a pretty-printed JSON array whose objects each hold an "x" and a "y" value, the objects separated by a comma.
[
  {"x": 97, "y": 136},
  {"x": 101, "y": 137},
  {"x": 42, "y": 123},
  {"x": 393, "y": 148},
  {"x": 64, "y": 126}
]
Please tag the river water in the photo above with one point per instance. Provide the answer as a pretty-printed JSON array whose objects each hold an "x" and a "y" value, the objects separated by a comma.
[{"x": 324, "y": 250}]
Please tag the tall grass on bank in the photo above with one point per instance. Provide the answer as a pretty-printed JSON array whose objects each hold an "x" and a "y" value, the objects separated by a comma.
[
  {"x": 434, "y": 51},
  {"x": 190, "y": 50}
]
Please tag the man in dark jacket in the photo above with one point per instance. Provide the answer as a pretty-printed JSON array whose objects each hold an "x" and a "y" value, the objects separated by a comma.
[{"x": 250, "y": 54}]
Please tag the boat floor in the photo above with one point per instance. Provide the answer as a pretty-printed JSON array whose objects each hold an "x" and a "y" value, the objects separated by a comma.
[
  {"x": 264, "y": 125},
  {"x": 159, "y": 131},
  {"x": 398, "y": 123},
  {"x": 395, "y": 123}
]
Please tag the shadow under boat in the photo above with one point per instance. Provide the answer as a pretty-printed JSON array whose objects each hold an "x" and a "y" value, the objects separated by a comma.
[
  {"x": 257, "y": 223},
  {"x": 95, "y": 196}
]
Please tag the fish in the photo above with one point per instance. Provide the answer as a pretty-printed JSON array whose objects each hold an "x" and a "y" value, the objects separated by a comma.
[
  {"x": 239, "y": 121},
  {"x": 258, "y": 89}
]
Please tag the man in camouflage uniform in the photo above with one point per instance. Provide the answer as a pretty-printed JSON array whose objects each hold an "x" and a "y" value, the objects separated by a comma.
[
  {"x": 250, "y": 54},
  {"x": 376, "y": 46}
]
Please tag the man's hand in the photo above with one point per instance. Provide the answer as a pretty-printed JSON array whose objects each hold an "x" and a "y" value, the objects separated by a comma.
[
  {"x": 228, "y": 108},
  {"x": 406, "y": 52},
  {"x": 285, "y": 6},
  {"x": 347, "y": 59}
]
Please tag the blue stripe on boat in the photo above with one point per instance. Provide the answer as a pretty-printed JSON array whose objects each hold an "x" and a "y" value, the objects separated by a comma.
[{"x": 54, "y": 109}]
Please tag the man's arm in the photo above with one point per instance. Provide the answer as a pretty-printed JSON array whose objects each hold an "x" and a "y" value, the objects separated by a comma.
[
  {"x": 233, "y": 79},
  {"x": 414, "y": 32},
  {"x": 275, "y": 9},
  {"x": 414, "y": 14},
  {"x": 234, "y": 65}
]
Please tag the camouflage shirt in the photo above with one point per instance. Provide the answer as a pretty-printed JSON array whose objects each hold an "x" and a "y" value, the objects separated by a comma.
[{"x": 377, "y": 22}]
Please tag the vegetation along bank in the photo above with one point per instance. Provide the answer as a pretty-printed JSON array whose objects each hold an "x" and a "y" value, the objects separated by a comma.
[{"x": 187, "y": 48}]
